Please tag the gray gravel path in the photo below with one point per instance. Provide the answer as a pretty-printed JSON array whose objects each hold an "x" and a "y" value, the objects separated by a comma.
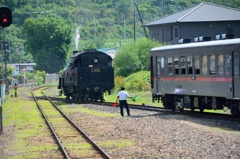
[{"x": 153, "y": 135}]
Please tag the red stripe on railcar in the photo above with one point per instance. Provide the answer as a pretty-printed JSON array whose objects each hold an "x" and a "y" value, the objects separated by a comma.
[{"x": 203, "y": 79}]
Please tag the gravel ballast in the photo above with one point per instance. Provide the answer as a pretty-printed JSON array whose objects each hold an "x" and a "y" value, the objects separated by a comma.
[{"x": 159, "y": 135}]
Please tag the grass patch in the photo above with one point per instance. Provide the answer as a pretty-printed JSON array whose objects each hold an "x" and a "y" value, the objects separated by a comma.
[
  {"x": 117, "y": 143},
  {"x": 23, "y": 117},
  {"x": 82, "y": 109},
  {"x": 141, "y": 97}
]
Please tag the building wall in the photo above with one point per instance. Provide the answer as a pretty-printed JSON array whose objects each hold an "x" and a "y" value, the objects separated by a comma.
[{"x": 171, "y": 33}]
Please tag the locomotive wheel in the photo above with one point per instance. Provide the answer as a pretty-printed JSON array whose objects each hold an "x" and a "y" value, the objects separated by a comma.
[
  {"x": 87, "y": 97},
  {"x": 101, "y": 98},
  {"x": 201, "y": 109},
  {"x": 68, "y": 97},
  {"x": 73, "y": 96},
  {"x": 77, "y": 96}
]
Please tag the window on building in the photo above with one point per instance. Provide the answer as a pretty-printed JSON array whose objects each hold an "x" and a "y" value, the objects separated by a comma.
[
  {"x": 220, "y": 64},
  {"x": 183, "y": 64},
  {"x": 197, "y": 65},
  {"x": 227, "y": 64},
  {"x": 176, "y": 65},
  {"x": 190, "y": 65},
  {"x": 168, "y": 33},
  {"x": 170, "y": 66},
  {"x": 204, "y": 65},
  {"x": 212, "y": 64},
  {"x": 176, "y": 32},
  {"x": 229, "y": 30}
]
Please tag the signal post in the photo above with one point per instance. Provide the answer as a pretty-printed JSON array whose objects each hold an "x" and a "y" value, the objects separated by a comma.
[{"x": 5, "y": 21}]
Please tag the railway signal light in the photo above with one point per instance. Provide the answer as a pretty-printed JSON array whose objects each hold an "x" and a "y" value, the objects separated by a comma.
[{"x": 5, "y": 17}]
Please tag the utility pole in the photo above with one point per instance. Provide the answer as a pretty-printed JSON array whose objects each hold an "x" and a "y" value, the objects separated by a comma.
[
  {"x": 162, "y": 8},
  {"x": 134, "y": 27},
  {"x": 141, "y": 20}
]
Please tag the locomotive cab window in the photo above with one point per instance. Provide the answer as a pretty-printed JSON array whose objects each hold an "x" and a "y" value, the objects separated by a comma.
[{"x": 109, "y": 62}]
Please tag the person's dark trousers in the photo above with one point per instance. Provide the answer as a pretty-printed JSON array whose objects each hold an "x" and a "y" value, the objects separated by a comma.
[{"x": 124, "y": 103}]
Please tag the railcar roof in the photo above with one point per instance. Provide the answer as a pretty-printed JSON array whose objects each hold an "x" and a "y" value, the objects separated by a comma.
[{"x": 198, "y": 44}]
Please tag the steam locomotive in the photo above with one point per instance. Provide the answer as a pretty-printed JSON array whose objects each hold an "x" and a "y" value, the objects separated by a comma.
[
  {"x": 199, "y": 75},
  {"x": 88, "y": 75}
]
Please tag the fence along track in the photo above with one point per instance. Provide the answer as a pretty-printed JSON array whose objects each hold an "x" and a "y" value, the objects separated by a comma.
[{"x": 73, "y": 142}]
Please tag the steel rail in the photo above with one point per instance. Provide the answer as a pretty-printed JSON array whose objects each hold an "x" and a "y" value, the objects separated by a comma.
[
  {"x": 99, "y": 149},
  {"x": 62, "y": 149},
  {"x": 160, "y": 109}
]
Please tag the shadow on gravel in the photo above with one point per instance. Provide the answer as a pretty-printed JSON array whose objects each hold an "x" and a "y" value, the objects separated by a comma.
[{"x": 214, "y": 123}]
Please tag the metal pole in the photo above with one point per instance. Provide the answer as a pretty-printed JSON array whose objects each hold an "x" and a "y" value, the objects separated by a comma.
[
  {"x": 18, "y": 52},
  {"x": 134, "y": 20},
  {"x": 1, "y": 124},
  {"x": 5, "y": 61}
]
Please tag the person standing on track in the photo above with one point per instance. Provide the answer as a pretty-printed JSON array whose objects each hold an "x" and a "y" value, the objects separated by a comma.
[{"x": 122, "y": 97}]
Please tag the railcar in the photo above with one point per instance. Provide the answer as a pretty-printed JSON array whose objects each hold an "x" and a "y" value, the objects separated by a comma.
[
  {"x": 199, "y": 75},
  {"x": 88, "y": 75}
]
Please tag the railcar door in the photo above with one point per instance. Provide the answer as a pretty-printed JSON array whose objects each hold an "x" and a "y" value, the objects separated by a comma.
[
  {"x": 160, "y": 67},
  {"x": 236, "y": 75}
]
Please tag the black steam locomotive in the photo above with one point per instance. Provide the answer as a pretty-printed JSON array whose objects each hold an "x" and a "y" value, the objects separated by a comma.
[
  {"x": 199, "y": 75},
  {"x": 88, "y": 75}
]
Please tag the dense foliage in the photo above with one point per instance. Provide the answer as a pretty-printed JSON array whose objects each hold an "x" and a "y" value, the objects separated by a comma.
[
  {"x": 134, "y": 57},
  {"x": 49, "y": 42}
]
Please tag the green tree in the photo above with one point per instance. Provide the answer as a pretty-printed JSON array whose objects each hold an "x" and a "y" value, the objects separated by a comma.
[
  {"x": 49, "y": 42},
  {"x": 134, "y": 57}
]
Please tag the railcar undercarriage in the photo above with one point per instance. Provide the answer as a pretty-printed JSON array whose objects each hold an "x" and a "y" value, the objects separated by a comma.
[{"x": 179, "y": 102}]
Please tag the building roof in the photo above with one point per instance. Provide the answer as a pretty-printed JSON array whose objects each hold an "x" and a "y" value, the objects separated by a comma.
[
  {"x": 204, "y": 12},
  {"x": 23, "y": 64}
]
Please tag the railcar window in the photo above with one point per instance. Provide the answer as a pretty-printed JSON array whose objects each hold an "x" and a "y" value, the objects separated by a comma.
[
  {"x": 197, "y": 65},
  {"x": 227, "y": 64},
  {"x": 183, "y": 64},
  {"x": 162, "y": 62},
  {"x": 220, "y": 64},
  {"x": 170, "y": 66},
  {"x": 236, "y": 64},
  {"x": 176, "y": 65},
  {"x": 158, "y": 65},
  {"x": 204, "y": 65},
  {"x": 212, "y": 64},
  {"x": 190, "y": 65}
]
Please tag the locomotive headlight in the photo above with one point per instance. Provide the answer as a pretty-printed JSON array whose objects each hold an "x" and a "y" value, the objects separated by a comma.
[{"x": 95, "y": 60}]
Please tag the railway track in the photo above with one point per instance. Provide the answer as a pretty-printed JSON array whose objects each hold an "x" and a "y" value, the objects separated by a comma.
[
  {"x": 159, "y": 109},
  {"x": 72, "y": 141}
]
